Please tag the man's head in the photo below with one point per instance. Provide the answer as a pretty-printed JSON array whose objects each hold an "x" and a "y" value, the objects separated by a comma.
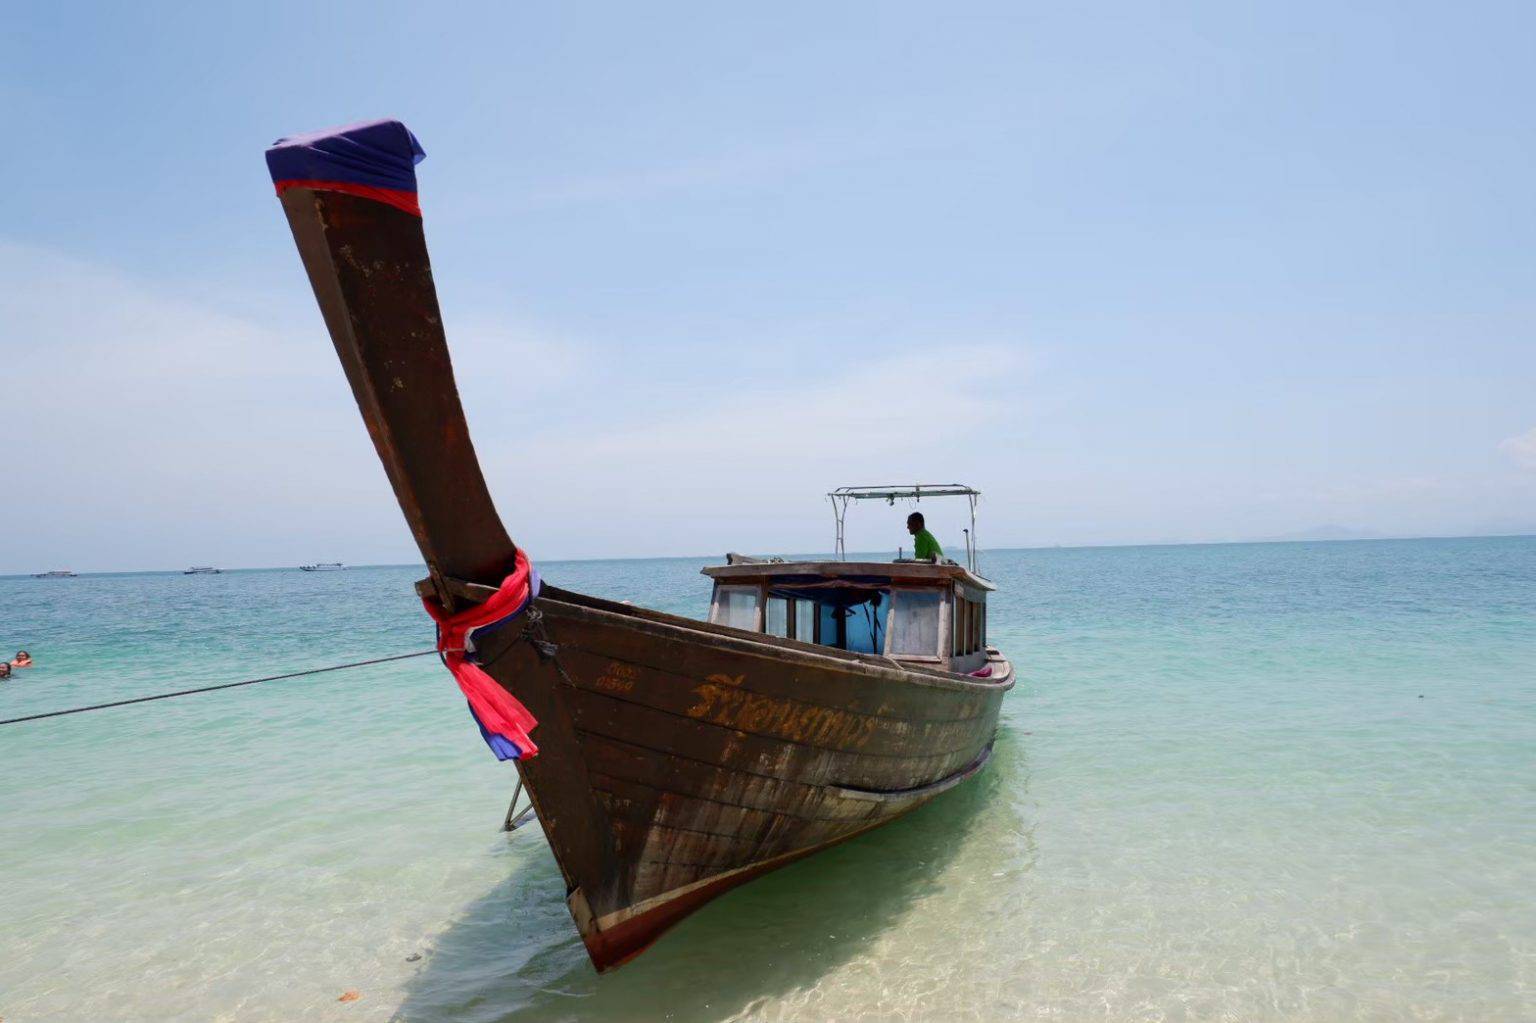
[
  {"x": 915, "y": 523},
  {"x": 5, "y": 669}
]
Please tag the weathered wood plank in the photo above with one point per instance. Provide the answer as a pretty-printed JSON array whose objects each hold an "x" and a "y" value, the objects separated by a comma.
[
  {"x": 761, "y": 752},
  {"x": 734, "y": 708}
]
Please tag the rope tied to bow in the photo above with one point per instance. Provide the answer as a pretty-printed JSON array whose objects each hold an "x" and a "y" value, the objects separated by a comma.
[{"x": 503, "y": 720}]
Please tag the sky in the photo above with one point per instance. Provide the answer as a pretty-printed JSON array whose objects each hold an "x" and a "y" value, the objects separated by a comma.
[{"x": 1141, "y": 273}]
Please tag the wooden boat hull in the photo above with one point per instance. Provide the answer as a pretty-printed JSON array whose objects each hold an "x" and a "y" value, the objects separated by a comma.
[{"x": 679, "y": 759}]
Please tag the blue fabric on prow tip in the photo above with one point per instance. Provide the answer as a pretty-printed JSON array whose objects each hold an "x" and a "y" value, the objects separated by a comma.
[
  {"x": 380, "y": 154},
  {"x": 504, "y": 748}
]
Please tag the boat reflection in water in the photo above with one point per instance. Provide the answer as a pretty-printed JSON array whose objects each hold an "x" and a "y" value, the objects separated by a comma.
[{"x": 676, "y": 758}]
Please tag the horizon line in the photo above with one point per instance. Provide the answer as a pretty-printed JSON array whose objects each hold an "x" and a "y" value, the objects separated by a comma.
[{"x": 706, "y": 557}]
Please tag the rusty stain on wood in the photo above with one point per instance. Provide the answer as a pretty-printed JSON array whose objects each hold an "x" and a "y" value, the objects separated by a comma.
[{"x": 618, "y": 678}]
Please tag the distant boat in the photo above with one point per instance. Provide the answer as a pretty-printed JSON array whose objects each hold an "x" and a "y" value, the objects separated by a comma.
[
  {"x": 323, "y": 566},
  {"x": 58, "y": 573},
  {"x": 203, "y": 570}
]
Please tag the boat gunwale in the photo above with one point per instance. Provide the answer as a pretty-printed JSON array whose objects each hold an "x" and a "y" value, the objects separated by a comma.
[
  {"x": 757, "y": 644},
  {"x": 760, "y": 645}
]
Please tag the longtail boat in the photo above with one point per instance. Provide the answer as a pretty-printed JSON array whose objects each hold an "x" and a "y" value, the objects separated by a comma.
[{"x": 674, "y": 758}]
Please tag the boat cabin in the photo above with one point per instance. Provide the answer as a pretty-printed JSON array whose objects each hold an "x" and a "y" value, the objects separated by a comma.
[{"x": 928, "y": 614}]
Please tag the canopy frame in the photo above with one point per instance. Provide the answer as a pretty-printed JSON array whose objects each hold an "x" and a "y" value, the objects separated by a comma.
[{"x": 841, "y": 497}]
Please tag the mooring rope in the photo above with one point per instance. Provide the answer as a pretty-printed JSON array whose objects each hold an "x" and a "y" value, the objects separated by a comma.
[{"x": 209, "y": 689}]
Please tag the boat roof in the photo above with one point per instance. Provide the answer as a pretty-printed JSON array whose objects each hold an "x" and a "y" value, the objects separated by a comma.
[
  {"x": 741, "y": 569},
  {"x": 903, "y": 492}
]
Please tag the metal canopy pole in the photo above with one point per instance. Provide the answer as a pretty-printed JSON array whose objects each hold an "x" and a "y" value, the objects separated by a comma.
[{"x": 840, "y": 511}]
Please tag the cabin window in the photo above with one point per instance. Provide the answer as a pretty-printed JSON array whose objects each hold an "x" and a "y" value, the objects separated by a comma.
[
  {"x": 969, "y": 625},
  {"x": 736, "y": 606},
  {"x": 776, "y": 617},
  {"x": 857, "y": 627},
  {"x": 805, "y": 620},
  {"x": 915, "y": 623},
  {"x": 961, "y": 620}
]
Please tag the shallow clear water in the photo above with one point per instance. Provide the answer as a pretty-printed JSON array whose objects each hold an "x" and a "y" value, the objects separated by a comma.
[{"x": 1252, "y": 782}]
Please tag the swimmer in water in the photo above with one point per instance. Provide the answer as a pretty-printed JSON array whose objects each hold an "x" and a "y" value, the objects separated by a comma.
[
  {"x": 23, "y": 660},
  {"x": 5, "y": 670}
]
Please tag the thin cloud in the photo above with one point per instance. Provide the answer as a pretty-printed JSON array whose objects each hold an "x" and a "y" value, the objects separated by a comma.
[
  {"x": 752, "y": 460},
  {"x": 1522, "y": 448},
  {"x": 155, "y": 430},
  {"x": 70, "y": 323},
  {"x": 909, "y": 403}
]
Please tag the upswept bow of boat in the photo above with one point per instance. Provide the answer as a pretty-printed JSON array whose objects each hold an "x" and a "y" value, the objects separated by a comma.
[{"x": 675, "y": 758}]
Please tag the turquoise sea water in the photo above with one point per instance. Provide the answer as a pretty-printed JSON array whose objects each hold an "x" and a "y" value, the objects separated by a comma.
[{"x": 1246, "y": 782}]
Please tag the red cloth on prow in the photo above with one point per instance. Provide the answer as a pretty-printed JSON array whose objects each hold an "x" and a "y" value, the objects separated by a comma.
[
  {"x": 399, "y": 198},
  {"x": 498, "y": 711}
]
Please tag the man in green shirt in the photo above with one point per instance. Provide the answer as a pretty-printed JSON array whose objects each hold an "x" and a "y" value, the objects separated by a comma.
[{"x": 924, "y": 546}]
